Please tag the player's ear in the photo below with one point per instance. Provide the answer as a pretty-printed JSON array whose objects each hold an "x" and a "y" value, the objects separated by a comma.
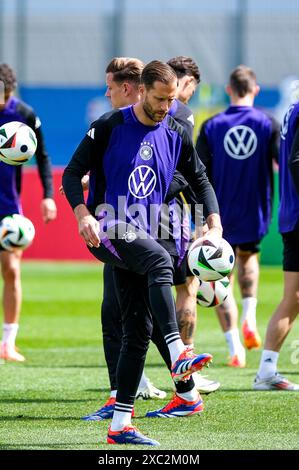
[
  {"x": 141, "y": 90},
  {"x": 228, "y": 90},
  {"x": 256, "y": 90},
  {"x": 126, "y": 88},
  {"x": 189, "y": 81}
]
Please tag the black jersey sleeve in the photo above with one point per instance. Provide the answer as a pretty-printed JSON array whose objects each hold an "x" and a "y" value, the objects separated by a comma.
[
  {"x": 177, "y": 185},
  {"x": 274, "y": 140},
  {"x": 194, "y": 171},
  {"x": 42, "y": 158},
  {"x": 203, "y": 150},
  {"x": 89, "y": 156},
  {"x": 294, "y": 159},
  {"x": 184, "y": 117}
]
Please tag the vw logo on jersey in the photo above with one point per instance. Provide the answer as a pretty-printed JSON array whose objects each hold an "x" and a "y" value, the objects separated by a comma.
[
  {"x": 240, "y": 142},
  {"x": 285, "y": 123},
  {"x": 146, "y": 151},
  {"x": 142, "y": 181}
]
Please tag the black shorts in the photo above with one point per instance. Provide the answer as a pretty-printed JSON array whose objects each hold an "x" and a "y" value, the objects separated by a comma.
[
  {"x": 181, "y": 272},
  {"x": 290, "y": 260},
  {"x": 252, "y": 247}
]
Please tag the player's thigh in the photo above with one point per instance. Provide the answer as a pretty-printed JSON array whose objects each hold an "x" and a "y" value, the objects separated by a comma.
[{"x": 137, "y": 252}]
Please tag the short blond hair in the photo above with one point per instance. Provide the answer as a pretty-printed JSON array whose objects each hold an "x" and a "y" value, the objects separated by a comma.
[{"x": 125, "y": 69}]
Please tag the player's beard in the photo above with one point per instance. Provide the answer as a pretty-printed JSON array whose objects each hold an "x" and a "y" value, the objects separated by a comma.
[{"x": 155, "y": 116}]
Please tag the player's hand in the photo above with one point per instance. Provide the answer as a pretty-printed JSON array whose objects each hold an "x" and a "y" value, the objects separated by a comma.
[
  {"x": 214, "y": 234},
  {"x": 89, "y": 229},
  {"x": 48, "y": 209},
  {"x": 85, "y": 182},
  {"x": 212, "y": 231}
]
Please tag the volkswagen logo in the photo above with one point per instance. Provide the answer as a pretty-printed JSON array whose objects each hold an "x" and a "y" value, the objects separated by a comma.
[
  {"x": 142, "y": 181},
  {"x": 240, "y": 142}
]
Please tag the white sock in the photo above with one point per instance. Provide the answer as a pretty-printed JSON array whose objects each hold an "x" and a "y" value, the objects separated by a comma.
[
  {"x": 175, "y": 346},
  {"x": 113, "y": 393},
  {"x": 121, "y": 416},
  {"x": 10, "y": 331},
  {"x": 268, "y": 364},
  {"x": 249, "y": 312},
  {"x": 192, "y": 395},
  {"x": 233, "y": 341},
  {"x": 143, "y": 381}
]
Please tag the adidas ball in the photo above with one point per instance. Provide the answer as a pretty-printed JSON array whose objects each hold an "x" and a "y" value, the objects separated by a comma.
[
  {"x": 212, "y": 293},
  {"x": 210, "y": 262},
  {"x": 16, "y": 231},
  {"x": 17, "y": 143}
]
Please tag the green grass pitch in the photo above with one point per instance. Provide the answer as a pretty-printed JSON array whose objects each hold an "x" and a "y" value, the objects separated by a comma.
[{"x": 65, "y": 377}]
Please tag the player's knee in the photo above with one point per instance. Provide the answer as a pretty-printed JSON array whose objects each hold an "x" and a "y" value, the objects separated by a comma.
[
  {"x": 11, "y": 272},
  {"x": 161, "y": 272},
  {"x": 135, "y": 348},
  {"x": 162, "y": 258},
  {"x": 110, "y": 316}
]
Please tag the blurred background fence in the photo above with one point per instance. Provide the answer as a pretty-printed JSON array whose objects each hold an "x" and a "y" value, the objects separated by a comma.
[{"x": 60, "y": 48}]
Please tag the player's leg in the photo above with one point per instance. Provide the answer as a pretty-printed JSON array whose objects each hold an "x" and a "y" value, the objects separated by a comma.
[
  {"x": 143, "y": 255},
  {"x": 12, "y": 299},
  {"x": 248, "y": 278},
  {"x": 281, "y": 322},
  {"x": 135, "y": 298},
  {"x": 186, "y": 310},
  {"x": 278, "y": 328},
  {"x": 186, "y": 400},
  {"x": 137, "y": 331},
  {"x": 228, "y": 318},
  {"x": 111, "y": 325},
  {"x": 112, "y": 337}
]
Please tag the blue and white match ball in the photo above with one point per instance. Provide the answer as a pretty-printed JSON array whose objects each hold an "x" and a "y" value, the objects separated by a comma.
[
  {"x": 16, "y": 232},
  {"x": 210, "y": 262},
  {"x": 17, "y": 143},
  {"x": 213, "y": 293}
]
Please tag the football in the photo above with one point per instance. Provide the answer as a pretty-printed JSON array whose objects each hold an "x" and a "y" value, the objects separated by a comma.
[
  {"x": 16, "y": 231},
  {"x": 210, "y": 262},
  {"x": 212, "y": 293},
  {"x": 17, "y": 143}
]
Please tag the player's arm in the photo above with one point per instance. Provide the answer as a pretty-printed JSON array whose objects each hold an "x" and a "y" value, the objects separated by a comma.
[
  {"x": 88, "y": 156},
  {"x": 186, "y": 123},
  {"x": 48, "y": 206},
  {"x": 274, "y": 141},
  {"x": 177, "y": 185},
  {"x": 203, "y": 149},
  {"x": 294, "y": 159},
  {"x": 193, "y": 170},
  {"x": 80, "y": 164}
]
